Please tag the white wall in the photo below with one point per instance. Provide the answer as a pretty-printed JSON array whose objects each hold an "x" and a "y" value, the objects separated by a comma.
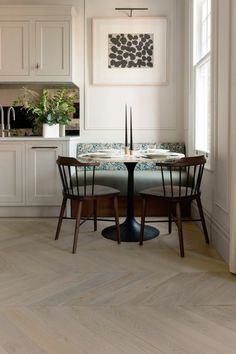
[
  {"x": 215, "y": 191},
  {"x": 232, "y": 134},
  {"x": 220, "y": 212},
  {"x": 157, "y": 110}
]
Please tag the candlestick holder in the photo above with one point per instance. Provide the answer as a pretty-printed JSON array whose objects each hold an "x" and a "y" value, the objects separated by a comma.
[
  {"x": 131, "y": 152},
  {"x": 126, "y": 150}
]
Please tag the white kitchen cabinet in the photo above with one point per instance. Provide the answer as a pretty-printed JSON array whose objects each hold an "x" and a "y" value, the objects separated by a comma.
[
  {"x": 43, "y": 185},
  {"x": 12, "y": 176},
  {"x": 52, "y": 46},
  {"x": 37, "y": 44},
  {"x": 30, "y": 184},
  {"x": 14, "y": 48}
]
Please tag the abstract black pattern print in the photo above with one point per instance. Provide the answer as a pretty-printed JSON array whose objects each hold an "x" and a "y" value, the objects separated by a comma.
[{"x": 130, "y": 50}]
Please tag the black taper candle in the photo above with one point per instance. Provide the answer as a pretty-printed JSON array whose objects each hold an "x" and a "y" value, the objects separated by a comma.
[
  {"x": 131, "y": 130},
  {"x": 126, "y": 132}
]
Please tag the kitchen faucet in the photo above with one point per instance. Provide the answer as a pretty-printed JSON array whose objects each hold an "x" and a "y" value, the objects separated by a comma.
[
  {"x": 2, "y": 121},
  {"x": 10, "y": 109}
]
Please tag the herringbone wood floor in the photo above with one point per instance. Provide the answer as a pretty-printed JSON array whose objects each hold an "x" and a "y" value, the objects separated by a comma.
[{"x": 111, "y": 298}]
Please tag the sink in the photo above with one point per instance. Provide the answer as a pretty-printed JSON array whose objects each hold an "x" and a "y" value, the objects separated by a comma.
[{"x": 18, "y": 133}]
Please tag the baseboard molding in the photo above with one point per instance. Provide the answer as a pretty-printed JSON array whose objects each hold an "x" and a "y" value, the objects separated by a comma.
[
  {"x": 218, "y": 236},
  {"x": 220, "y": 240},
  {"x": 28, "y": 212}
]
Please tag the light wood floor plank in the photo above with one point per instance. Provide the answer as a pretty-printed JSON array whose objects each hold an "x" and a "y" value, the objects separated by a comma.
[{"x": 109, "y": 298}]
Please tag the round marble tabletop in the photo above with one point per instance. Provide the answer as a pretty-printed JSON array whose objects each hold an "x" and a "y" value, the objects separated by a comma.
[{"x": 135, "y": 157}]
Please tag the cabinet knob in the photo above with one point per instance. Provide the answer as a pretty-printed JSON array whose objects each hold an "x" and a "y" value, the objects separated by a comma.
[{"x": 37, "y": 66}]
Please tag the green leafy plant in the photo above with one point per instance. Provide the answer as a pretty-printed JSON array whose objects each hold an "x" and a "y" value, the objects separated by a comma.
[{"x": 49, "y": 108}]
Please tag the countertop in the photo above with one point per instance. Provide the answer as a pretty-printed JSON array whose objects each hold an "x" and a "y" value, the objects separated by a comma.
[{"x": 38, "y": 138}]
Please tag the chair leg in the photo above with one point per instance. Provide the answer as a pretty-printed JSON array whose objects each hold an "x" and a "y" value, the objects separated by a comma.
[
  {"x": 63, "y": 208},
  {"x": 77, "y": 225},
  {"x": 170, "y": 220},
  {"x": 143, "y": 215},
  {"x": 199, "y": 204},
  {"x": 180, "y": 230},
  {"x": 115, "y": 203},
  {"x": 95, "y": 214}
]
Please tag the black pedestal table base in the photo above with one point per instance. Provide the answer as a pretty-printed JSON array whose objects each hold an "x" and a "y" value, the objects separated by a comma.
[
  {"x": 130, "y": 232},
  {"x": 130, "y": 229}
]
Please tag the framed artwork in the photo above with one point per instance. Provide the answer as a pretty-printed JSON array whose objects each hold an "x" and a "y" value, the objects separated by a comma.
[{"x": 130, "y": 51}]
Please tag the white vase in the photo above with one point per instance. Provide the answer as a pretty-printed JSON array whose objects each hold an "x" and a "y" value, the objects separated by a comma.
[
  {"x": 51, "y": 131},
  {"x": 62, "y": 130}
]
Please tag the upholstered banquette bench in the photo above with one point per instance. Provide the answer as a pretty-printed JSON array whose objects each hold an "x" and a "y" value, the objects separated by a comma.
[{"x": 114, "y": 174}]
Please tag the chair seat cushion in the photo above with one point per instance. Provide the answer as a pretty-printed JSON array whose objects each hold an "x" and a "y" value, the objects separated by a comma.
[
  {"x": 119, "y": 179},
  {"x": 169, "y": 192},
  {"x": 99, "y": 191}
]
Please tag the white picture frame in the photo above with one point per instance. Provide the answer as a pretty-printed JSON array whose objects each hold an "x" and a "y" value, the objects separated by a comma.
[{"x": 119, "y": 68}]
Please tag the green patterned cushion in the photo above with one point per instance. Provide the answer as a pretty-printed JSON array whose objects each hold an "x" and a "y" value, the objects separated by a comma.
[{"x": 84, "y": 148}]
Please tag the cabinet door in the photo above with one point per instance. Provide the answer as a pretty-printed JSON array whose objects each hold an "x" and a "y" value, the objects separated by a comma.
[
  {"x": 52, "y": 48},
  {"x": 12, "y": 169},
  {"x": 14, "y": 48},
  {"x": 43, "y": 185}
]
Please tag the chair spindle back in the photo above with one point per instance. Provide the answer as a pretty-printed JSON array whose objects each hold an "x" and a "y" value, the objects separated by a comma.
[
  {"x": 74, "y": 175},
  {"x": 190, "y": 172}
]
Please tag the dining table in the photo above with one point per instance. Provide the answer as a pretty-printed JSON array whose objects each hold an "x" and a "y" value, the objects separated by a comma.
[{"x": 130, "y": 228}]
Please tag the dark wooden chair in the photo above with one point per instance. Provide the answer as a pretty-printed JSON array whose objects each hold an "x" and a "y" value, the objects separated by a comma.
[
  {"x": 190, "y": 171},
  {"x": 75, "y": 187}
]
